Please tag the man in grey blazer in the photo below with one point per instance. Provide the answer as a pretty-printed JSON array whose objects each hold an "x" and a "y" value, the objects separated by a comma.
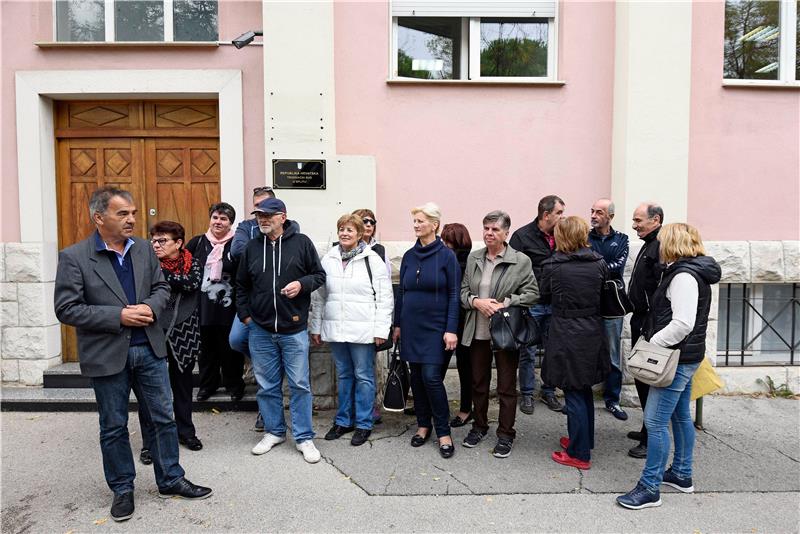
[{"x": 111, "y": 288}]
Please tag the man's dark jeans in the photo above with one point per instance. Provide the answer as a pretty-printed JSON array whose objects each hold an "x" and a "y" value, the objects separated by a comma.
[{"x": 149, "y": 378}]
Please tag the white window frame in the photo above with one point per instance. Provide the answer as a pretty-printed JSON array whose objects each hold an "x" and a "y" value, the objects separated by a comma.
[
  {"x": 470, "y": 57},
  {"x": 110, "y": 23},
  {"x": 787, "y": 54}
]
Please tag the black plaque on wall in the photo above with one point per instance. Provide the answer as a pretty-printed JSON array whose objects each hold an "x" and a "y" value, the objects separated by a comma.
[{"x": 298, "y": 174}]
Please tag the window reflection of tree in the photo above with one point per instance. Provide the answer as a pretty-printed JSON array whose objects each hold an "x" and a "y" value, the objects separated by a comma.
[
  {"x": 425, "y": 34},
  {"x": 195, "y": 20},
  {"x": 139, "y": 20},
  {"x": 752, "y": 39},
  {"x": 85, "y": 20},
  {"x": 513, "y": 48}
]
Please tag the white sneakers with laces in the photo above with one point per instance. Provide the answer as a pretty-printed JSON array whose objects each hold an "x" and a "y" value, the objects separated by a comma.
[
  {"x": 267, "y": 442},
  {"x": 309, "y": 450}
]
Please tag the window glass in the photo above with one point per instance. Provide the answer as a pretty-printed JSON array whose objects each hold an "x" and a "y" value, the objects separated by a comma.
[
  {"x": 428, "y": 47},
  {"x": 752, "y": 39},
  {"x": 778, "y": 313},
  {"x": 195, "y": 20},
  {"x": 139, "y": 20},
  {"x": 738, "y": 317},
  {"x": 513, "y": 47},
  {"x": 80, "y": 20}
]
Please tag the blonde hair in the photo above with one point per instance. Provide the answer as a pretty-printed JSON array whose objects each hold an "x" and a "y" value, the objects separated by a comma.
[
  {"x": 431, "y": 211},
  {"x": 679, "y": 240},
  {"x": 353, "y": 220},
  {"x": 571, "y": 234}
]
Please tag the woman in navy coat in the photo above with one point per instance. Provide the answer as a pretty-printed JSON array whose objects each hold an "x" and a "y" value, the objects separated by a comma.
[{"x": 426, "y": 312}]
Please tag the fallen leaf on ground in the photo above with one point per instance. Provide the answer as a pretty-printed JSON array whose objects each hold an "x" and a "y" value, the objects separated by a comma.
[
  {"x": 489, "y": 499},
  {"x": 214, "y": 411},
  {"x": 436, "y": 478},
  {"x": 100, "y": 521},
  {"x": 34, "y": 418}
]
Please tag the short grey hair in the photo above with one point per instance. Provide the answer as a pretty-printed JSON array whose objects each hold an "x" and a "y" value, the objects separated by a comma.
[
  {"x": 498, "y": 216},
  {"x": 100, "y": 199},
  {"x": 654, "y": 210}
]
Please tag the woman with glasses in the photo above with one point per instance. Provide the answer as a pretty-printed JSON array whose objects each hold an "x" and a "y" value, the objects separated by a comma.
[
  {"x": 181, "y": 323},
  {"x": 217, "y": 305}
]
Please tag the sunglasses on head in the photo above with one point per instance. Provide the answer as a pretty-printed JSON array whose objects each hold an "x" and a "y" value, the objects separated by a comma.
[
  {"x": 369, "y": 221},
  {"x": 262, "y": 190}
]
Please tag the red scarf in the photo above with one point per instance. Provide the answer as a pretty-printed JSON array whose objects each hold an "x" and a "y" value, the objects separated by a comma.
[{"x": 180, "y": 264}]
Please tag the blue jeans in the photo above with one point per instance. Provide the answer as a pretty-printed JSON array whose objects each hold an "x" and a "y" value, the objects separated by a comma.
[
  {"x": 527, "y": 356},
  {"x": 664, "y": 405},
  {"x": 579, "y": 404},
  {"x": 237, "y": 339},
  {"x": 430, "y": 397},
  {"x": 273, "y": 355},
  {"x": 614, "y": 378},
  {"x": 355, "y": 383},
  {"x": 147, "y": 375}
]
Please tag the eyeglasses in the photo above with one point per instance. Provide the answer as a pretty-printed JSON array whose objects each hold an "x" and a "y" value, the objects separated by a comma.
[
  {"x": 161, "y": 242},
  {"x": 371, "y": 222},
  {"x": 263, "y": 190}
]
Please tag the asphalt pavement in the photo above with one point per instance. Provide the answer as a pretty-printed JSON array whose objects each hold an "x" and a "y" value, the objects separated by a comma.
[{"x": 747, "y": 478}]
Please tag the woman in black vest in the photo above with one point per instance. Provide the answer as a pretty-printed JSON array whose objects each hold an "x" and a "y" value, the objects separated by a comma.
[{"x": 678, "y": 319}]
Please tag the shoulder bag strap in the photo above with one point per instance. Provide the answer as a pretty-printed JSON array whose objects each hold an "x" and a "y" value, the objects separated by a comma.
[
  {"x": 504, "y": 267},
  {"x": 369, "y": 273}
]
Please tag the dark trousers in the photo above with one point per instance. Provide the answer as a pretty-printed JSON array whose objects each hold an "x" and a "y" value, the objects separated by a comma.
[
  {"x": 506, "y": 363},
  {"x": 147, "y": 375},
  {"x": 642, "y": 389},
  {"x": 216, "y": 354},
  {"x": 430, "y": 397},
  {"x": 580, "y": 422},
  {"x": 464, "y": 363},
  {"x": 181, "y": 384}
]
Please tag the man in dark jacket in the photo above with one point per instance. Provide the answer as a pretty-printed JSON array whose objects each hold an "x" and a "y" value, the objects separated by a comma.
[
  {"x": 111, "y": 288},
  {"x": 647, "y": 220},
  {"x": 277, "y": 274},
  {"x": 536, "y": 241},
  {"x": 613, "y": 246}
]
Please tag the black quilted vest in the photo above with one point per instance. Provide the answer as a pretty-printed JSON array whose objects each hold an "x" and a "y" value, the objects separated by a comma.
[{"x": 693, "y": 347}]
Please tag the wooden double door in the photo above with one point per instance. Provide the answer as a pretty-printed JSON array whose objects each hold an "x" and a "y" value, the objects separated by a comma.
[{"x": 166, "y": 153}]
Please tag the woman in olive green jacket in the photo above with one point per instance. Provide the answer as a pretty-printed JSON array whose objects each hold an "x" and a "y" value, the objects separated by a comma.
[{"x": 482, "y": 296}]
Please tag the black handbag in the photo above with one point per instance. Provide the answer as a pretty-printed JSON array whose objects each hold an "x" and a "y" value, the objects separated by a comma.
[
  {"x": 513, "y": 327},
  {"x": 614, "y": 301},
  {"x": 398, "y": 382},
  {"x": 386, "y": 345}
]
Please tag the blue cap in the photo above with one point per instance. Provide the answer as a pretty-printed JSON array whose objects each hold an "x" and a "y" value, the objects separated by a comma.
[{"x": 270, "y": 205}]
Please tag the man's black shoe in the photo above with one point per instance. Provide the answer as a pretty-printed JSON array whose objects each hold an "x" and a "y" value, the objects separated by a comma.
[
  {"x": 635, "y": 435},
  {"x": 204, "y": 394},
  {"x": 360, "y": 437},
  {"x": 122, "y": 507},
  {"x": 552, "y": 402},
  {"x": 146, "y": 457},
  {"x": 185, "y": 490},
  {"x": 337, "y": 431},
  {"x": 237, "y": 393},
  {"x": 191, "y": 443},
  {"x": 639, "y": 451}
]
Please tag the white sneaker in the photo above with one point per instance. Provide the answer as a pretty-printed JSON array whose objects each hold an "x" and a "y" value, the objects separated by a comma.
[
  {"x": 310, "y": 452},
  {"x": 266, "y": 443}
]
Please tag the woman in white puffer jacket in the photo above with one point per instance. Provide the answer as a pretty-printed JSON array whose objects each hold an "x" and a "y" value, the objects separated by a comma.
[{"x": 352, "y": 312}]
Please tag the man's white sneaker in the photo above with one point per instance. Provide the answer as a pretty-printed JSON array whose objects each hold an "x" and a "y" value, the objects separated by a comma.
[
  {"x": 266, "y": 443},
  {"x": 309, "y": 450}
]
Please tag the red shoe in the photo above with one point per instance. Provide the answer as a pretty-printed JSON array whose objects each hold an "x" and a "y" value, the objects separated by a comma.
[
  {"x": 565, "y": 459},
  {"x": 564, "y": 442}
]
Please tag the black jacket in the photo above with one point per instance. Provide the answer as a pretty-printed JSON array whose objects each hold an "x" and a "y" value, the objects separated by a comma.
[
  {"x": 575, "y": 345},
  {"x": 645, "y": 275},
  {"x": 531, "y": 241},
  {"x": 706, "y": 271},
  {"x": 268, "y": 266}
]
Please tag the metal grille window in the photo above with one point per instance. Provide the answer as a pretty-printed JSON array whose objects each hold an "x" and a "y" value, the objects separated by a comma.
[
  {"x": 136, "y": 20},
  {"x": 758, "y": 324}
]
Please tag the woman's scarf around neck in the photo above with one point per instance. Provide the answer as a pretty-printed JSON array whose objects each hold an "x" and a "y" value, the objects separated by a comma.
[
  {"x": 352, "y": 253},
  {"x": 214, "y": 260},
  {"x": 181, "y": 264}
]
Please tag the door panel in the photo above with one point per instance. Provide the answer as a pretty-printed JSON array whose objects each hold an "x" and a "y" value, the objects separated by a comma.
[{"x": 165, "y": 153}]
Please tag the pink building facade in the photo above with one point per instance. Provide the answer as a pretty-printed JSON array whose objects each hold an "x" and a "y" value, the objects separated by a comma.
[{"x": 404, "y": 104}]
